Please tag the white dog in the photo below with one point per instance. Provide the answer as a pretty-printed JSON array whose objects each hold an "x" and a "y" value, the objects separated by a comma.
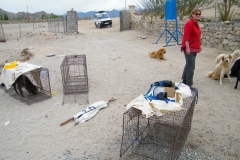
[
  {"x": 223, "y": 67},
  {"x": 235, "y": 55}
]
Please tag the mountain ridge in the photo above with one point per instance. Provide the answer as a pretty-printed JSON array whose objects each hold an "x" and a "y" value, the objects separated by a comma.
[
  {"x": 112, "y": 13},
  {"x": 38, "y": 15}
]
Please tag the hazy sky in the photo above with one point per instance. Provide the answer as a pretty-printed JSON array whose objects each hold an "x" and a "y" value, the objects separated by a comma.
[{"x": 60, "y": 7}]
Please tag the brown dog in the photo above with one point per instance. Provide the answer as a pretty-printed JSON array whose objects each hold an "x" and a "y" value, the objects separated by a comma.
[{"x": 158, "y": 54}]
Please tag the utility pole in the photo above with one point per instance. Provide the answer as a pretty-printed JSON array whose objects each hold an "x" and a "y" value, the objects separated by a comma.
[
  {"x": 27, "y": 14},
  {"x": 215, "y": 8}
]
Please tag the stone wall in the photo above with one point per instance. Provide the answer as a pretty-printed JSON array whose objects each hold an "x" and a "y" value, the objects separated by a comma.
[
  {"x": 154, "y": 25},
  {"x": 125, "y": 21},
  {"x": 223, "y": 35}
]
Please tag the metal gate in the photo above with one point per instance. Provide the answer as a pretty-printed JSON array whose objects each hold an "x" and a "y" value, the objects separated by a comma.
[
  {"x": 57, "y": 25},
  {"x": 2, "y": 36}
]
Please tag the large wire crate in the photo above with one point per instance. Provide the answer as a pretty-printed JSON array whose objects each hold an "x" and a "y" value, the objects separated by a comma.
[
  {"x": 158, "y": 137},
  {"x": 74, "y": 76},
  {"x": 35, "y": 86}
]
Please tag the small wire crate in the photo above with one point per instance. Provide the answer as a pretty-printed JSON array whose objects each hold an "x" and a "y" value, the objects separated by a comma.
[
  {"x": 158, "y": 137},
  {"x": 32, "y": 87},
  {"x": 1, "y": 68},
  {"x": 74, "y": 75}
]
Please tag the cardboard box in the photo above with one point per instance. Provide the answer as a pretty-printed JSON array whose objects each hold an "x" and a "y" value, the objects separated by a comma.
[{"x": 170, "y": 90}]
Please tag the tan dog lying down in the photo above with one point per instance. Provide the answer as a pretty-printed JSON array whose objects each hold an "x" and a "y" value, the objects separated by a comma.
[
  {"x": 223, "y": 67},
  {"x": 158, "y": 54}
]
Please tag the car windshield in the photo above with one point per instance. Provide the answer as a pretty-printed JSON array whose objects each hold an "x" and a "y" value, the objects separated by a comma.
[{"x": 102, "y": 16}]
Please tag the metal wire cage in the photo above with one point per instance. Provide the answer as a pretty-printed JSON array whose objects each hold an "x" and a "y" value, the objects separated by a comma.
[
  {"x": 74, "y": 74},
  {"x": 1, "y": 68},
  {"x": 2, "y": 35},
  {"x": 156, "y": 137},
  {"x": 32, "y": 87}
]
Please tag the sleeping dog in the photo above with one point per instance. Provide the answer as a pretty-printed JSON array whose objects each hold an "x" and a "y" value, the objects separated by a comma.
[
  {"x": 24, "y": 81},
  {"x": 158, "y": 54}
]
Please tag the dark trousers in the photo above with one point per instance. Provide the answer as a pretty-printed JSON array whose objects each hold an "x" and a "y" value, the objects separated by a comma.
[{"x": 189, "y": 68}]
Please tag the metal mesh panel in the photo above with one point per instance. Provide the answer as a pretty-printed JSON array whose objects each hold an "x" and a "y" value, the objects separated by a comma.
[
  {"x": 2, "y": 35},
  {"x": 74, "y": 76},
  {"x": 35, "y": 87},
  {"x": 1, "y": 68},
  {"x": 57, "y": 25},
  {"x": 156, "y": 137},
  {"x": 75, "y": 98},
  {"x": 1, "y": 84}
]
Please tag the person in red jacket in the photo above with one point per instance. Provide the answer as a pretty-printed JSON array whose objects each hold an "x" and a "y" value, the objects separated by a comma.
[{"x": 191, "y": 45}]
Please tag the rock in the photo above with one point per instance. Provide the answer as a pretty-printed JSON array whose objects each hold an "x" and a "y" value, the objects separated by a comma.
[{"x": 50, "y": 55}]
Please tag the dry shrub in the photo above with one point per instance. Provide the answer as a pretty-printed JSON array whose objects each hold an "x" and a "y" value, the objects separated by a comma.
[{"x": 25, "y": 55}]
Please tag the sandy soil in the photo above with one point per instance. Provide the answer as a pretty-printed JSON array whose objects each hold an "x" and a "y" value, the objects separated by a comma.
[{"x": 118, "y": 67}]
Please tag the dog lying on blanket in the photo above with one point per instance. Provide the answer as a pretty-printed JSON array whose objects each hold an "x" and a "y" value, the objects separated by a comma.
[
  {"x": 158, "y": 54},
  {"x": 24, "y": 81},
  {"x": 223, "y": 67}
]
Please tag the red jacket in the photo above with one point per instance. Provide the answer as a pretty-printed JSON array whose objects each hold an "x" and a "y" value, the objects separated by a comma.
[{"x": 192, "y": 34}]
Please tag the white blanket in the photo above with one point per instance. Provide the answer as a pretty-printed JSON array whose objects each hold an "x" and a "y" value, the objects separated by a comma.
[
  {"x": 89, "y": 112},
  {"x": 158, "y": 107},
  {"x": 9, "y": 76}
]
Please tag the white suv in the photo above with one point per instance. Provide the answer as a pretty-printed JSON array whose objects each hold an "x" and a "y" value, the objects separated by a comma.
[{"x": 102, "y": 19}]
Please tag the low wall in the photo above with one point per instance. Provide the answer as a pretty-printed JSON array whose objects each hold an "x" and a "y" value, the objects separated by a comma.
[
  {"x": 223, "y": 35},
  {"x": 154, "y": 25}
]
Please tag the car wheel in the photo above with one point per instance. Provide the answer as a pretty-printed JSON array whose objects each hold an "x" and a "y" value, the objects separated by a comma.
[
  {"x": 110, "y": 25},
  {"x": 96, "y": 24},
  {"x": 100, "y": 26}
]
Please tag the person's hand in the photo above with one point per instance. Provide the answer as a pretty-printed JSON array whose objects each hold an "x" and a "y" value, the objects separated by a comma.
[{"x": 188, "y": 51}]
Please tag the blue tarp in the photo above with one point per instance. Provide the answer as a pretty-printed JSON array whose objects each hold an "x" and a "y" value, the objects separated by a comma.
[{"x": 171, "y": 10}]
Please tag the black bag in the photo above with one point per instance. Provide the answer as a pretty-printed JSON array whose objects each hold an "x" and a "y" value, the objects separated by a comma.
[
  {"x": 161, "y": 95},
  {"x": 167, "y": 83},
  {"x": 164, "y": 83}
]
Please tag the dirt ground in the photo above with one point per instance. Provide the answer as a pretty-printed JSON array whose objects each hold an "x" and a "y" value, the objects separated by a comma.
[{"x": 118, "y": 67}]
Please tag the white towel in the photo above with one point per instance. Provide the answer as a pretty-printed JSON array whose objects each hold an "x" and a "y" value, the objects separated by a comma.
[
  {"x": 89, "y": 112},
  {"x": 184, "y": 90},
  {"x": 158, "y": 107},
  {"x": 9, "y": 76}
]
